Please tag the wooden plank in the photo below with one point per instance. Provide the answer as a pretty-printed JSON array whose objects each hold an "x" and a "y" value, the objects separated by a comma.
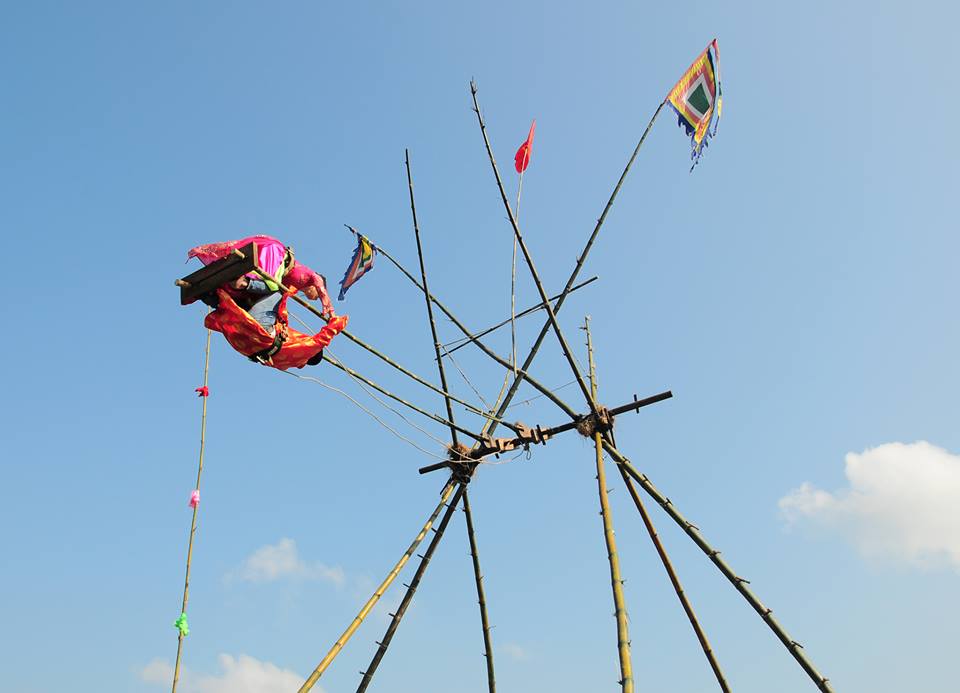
[{"x": 223, "y": 271}]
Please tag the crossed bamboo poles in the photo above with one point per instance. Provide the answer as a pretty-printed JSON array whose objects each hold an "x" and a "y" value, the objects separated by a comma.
[{"x": 462, "y": 466}]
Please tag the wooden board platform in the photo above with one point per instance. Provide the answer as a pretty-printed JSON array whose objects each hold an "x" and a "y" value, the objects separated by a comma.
[{"x": 224, "y": 270}]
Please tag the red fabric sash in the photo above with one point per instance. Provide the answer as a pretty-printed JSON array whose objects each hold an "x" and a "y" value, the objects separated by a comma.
[{"x": 248, "y": 337}]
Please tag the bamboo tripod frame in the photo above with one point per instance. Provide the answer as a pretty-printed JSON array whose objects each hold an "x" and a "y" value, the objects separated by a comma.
[{"x": 603, "y": 441}]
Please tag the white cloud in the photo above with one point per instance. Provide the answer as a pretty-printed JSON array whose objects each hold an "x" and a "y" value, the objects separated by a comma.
[
  {"x": 903, "y": 502},
  {"x": 242, "y": 674},
  {"x": 281, "y": 560},
  {"x": 514, "y": 651},
  {"x": 157, "y": 671}
]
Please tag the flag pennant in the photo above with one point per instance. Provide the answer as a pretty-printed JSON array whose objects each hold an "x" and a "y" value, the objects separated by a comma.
[
  {"x": 697, "y": 99},
  {"x": 361, "y": 263},
  {"x": 522, "y": 158}
]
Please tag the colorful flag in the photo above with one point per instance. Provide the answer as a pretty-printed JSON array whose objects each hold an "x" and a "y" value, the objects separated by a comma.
[
  {"x": 697, "y": 97},
  {"x": 522, "y": 158},
  {"x": 361, "y": 263}
]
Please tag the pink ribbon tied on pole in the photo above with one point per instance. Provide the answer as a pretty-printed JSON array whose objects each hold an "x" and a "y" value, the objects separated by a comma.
[
  {"x": 194, "y": 498},
  {"x": 202, "y": 391}
]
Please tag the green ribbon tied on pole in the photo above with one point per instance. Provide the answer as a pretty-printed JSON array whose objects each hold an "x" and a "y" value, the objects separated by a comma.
[{"x": 181, "y": 625}]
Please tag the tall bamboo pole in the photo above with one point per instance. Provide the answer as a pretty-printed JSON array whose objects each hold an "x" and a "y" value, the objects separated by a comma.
[
  {"x": 196, "y": 508},
  {"x": 579, "y": 265},
  {"x": 411, "y": 590},
  {"x": 529, "y": 260},
  {"x": 351, "y": 629},
  {"x": 426, "y": 297},
  {"x": 675, "y": 581},
  {"x": 616, "y": 582},
  {"x": 795, "y": 648},
  {"x": 481, "y": 597}
]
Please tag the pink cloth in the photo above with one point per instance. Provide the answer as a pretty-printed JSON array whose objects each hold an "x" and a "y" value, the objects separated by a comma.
[{"x": 270, "y": 254}]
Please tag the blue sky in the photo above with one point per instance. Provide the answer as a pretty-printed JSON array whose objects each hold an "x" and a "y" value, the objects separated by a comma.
[{"x": 796, "y": 292}]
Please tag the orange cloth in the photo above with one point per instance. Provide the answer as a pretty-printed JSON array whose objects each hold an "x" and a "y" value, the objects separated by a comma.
[{"x": 248, "y": 337}]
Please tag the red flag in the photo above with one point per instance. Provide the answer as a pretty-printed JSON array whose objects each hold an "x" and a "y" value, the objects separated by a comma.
[{"x": 522, "y": 159}]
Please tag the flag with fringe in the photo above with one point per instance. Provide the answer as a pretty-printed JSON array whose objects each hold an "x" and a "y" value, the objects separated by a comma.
[
  {"x": 361, "y": 263},
  {"x": 698, "y": 99}
]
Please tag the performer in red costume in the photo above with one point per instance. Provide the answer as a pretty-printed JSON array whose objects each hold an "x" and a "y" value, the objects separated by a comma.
[{"x": 251, "y": 312}]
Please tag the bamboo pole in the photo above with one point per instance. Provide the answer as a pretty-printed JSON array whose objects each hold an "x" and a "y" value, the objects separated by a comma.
[
  {"x": 795, "y": 648},
  {"x": 196, "y": 508},
  {"x": 426, "y": 297},
  {"x": 481, "y": 597},
  {"x": 397, "y": 398},
  {"x": 461, "y": 342},
  {"x": 675, "y": 581},
  {"x": 529, "y": 260},
  {"x": 543, "y": 389},
  {"x": 581, "y": 259},
  {"x": 616, "y": 582},
  {"x": 411, "y": 590},
  {"x": 351, "y": 629}
]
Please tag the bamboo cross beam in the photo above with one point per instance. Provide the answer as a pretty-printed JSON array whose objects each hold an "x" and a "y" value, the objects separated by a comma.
[
  {"x": 529, "y": 260},
  {"x": 616, "y": 582},
  {"x": 391, "y": 576},
  {"x": 426, "y": 297},
  {"x": 602, "y": 420},
  {"x": 463, "y": 341},
  {"x": 411, "y": 590},
  {"x": 691, "y": 530},
  {"x": 481, "y": 597}
]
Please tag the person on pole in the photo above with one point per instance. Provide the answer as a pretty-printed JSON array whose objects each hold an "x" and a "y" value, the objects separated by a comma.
[{"x": 251, "y": 311}]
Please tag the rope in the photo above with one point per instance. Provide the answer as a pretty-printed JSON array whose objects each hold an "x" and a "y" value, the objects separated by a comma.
[
  {"x": 384, "y": 403},
  {"x": 363, "y": 387},
  {"x": 467, "y": 380},
  {"x": 371, "y": 414},
  {"x": 527, "y": 401},
  {"x": 181, "y": 622},
  {"x": 469, "y": 407}
]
